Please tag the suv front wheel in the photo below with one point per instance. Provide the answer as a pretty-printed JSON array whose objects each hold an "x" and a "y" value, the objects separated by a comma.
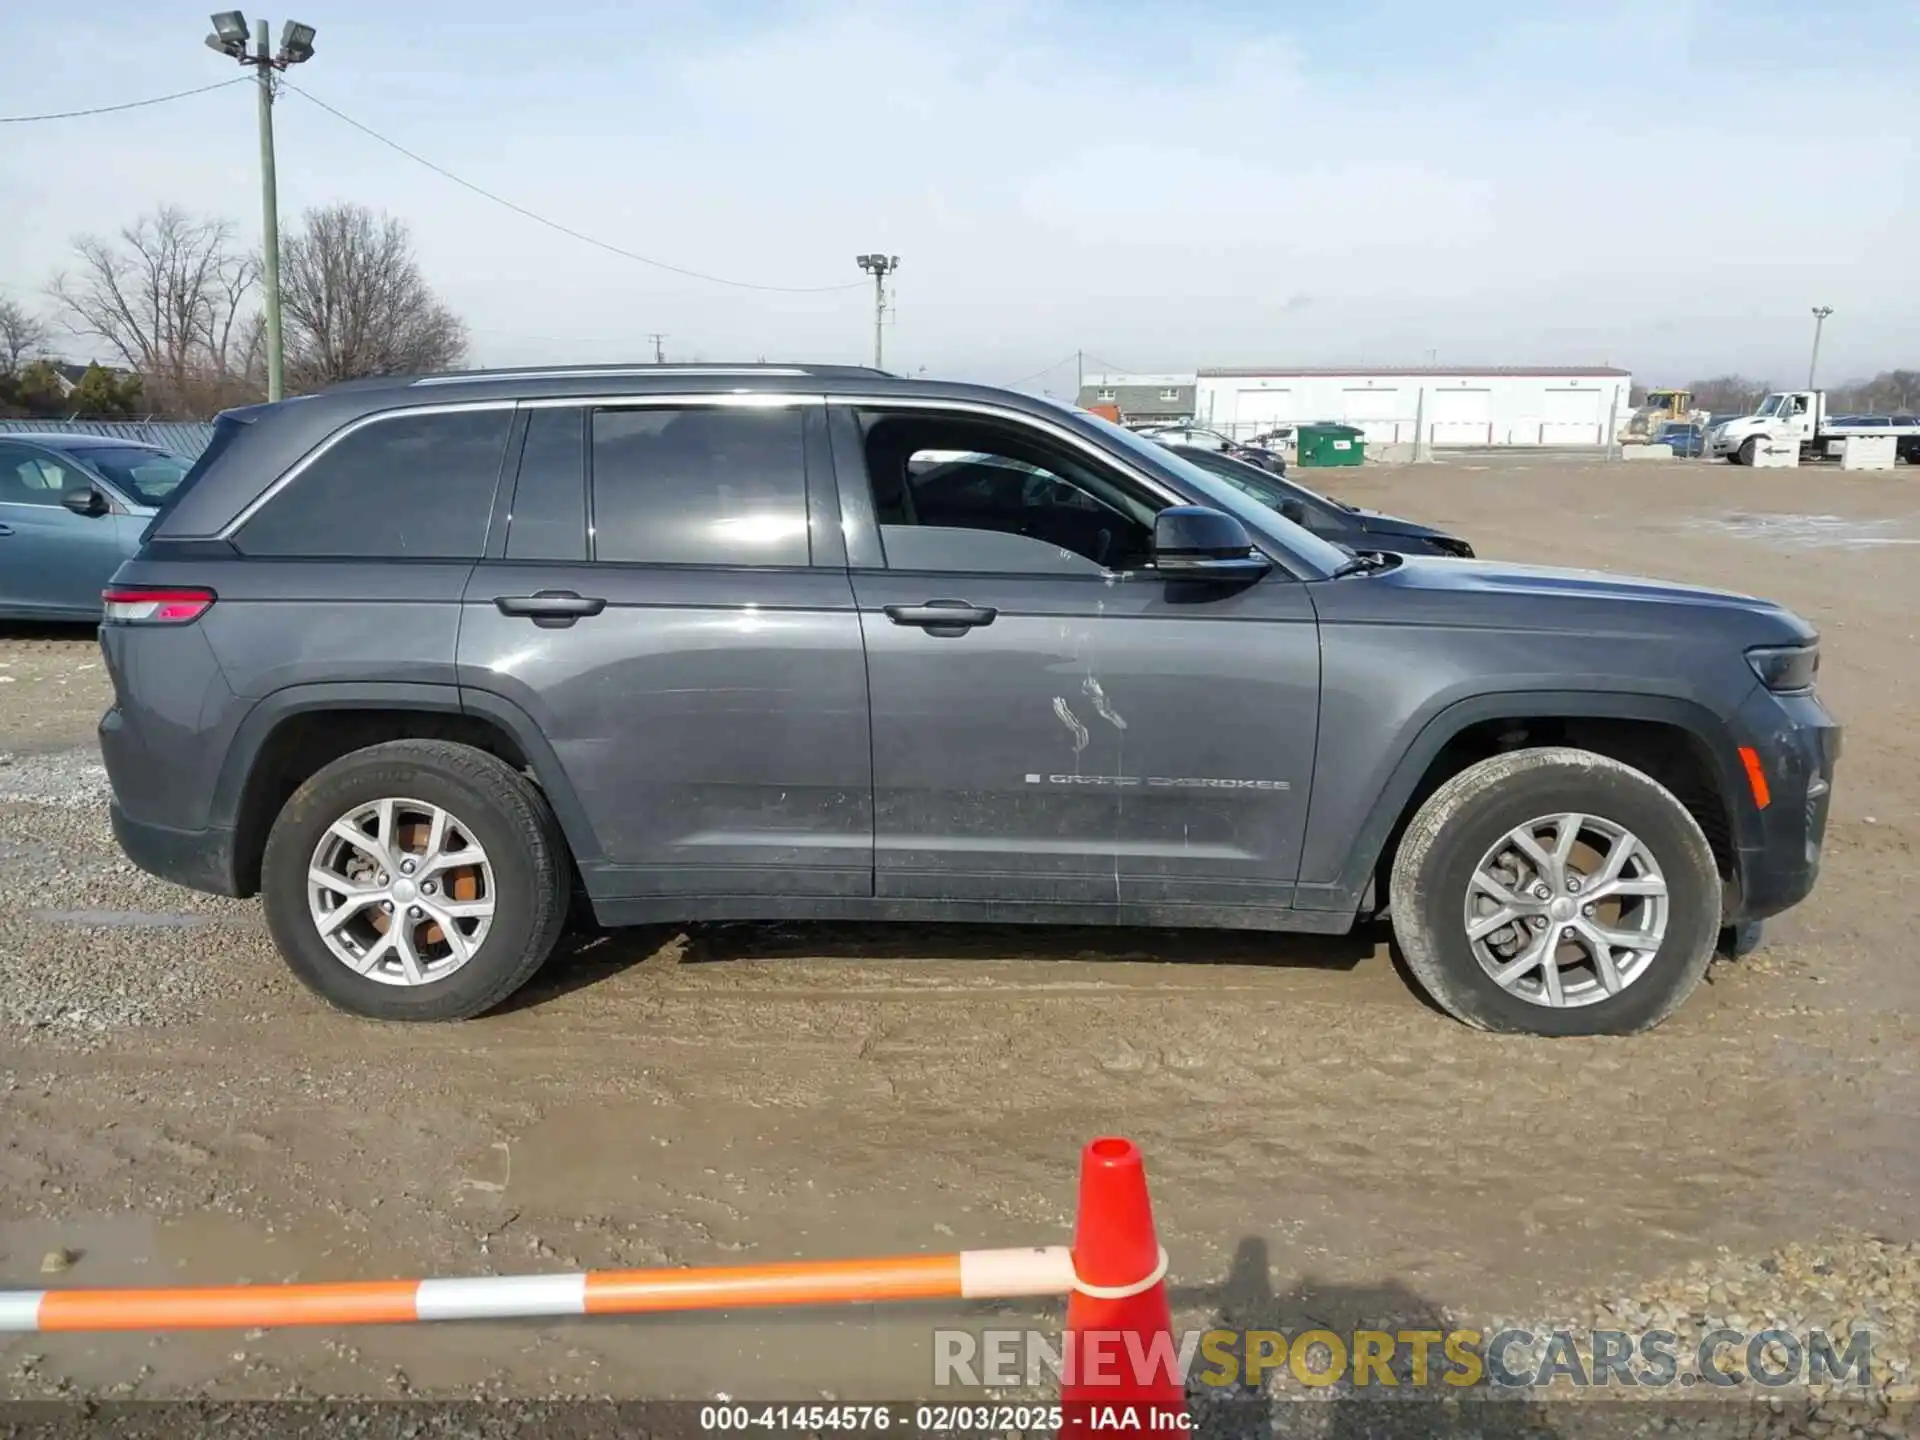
[
  {"x": 415, "y": 880},
  {"x": 1556, "y": 891}
]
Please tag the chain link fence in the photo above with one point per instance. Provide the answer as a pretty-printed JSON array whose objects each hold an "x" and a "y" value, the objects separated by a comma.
[{"x": 185, "y": 438}]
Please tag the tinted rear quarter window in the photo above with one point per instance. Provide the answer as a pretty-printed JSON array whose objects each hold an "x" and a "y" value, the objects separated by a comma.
[
  {"x": 705, "y": 485},
  {"x": 409, "y": 487}
]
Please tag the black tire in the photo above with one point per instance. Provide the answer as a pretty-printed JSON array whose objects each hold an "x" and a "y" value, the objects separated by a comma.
[
  {"x": 1466, "y": 816},
  {"x": 501, "y": 809},
  {"x": 1748, "y": 449}
]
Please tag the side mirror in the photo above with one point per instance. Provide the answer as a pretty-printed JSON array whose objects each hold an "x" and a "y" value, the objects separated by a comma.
[
  {"x": 1293, "y": 510},
  {"x": 1197, "y": 542},
  {"x": 85, "y": 500}
]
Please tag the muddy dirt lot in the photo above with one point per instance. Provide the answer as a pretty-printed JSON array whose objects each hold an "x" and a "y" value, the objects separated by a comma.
[{"x": 1322, "y": 1144}]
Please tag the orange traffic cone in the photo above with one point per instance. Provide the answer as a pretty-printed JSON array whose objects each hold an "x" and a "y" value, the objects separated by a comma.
[{"x": 1120, "y": 1354}]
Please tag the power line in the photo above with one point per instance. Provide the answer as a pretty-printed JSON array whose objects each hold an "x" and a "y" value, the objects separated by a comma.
[
  {"x": 1044, "y": 370},
  {"x": 567, "y": 230},
  {"x": 129, "y": 105}
]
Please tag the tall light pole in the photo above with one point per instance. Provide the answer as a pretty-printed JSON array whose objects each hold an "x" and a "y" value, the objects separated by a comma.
[
  {"x": 879, "y": 266},
  {"x": 296, "y": 47},
  {"x": 1820, "y": 314}
]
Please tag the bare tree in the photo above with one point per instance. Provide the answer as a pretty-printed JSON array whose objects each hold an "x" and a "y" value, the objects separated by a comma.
[
  {"x": 168, "y": 294},
  {"x": 356, "y": 303},
  {"x": 1891, "y": 391},
  {"x": 23, "y": 335},
  {"x": 1903, "y": 390},
  {"x": 1729, "y": 394}
]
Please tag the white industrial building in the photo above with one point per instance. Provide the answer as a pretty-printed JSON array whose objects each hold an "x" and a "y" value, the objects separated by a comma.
[{"x": 1492, "y": 405}]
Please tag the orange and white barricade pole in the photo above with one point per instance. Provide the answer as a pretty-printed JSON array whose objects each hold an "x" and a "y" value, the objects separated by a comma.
[
  {"x": 965, "y": 1275},
  {"x": 1115, "y": 1274}
]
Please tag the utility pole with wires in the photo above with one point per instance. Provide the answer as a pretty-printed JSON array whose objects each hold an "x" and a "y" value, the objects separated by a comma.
[
  {"x": 659, "y": 348},
  {"x": 296, "y": 47},
  {"x": 879, "y": 266}
]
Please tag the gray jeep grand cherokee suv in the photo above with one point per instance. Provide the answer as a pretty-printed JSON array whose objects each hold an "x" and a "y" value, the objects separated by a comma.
[{"x": 424, "y": 661}]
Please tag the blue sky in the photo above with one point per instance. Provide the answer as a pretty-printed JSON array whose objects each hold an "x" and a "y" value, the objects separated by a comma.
[{"x": 1663, "y": 186}]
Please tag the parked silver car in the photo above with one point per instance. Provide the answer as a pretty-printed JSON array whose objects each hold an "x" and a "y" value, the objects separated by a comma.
[{"x": 72, "y": 507}]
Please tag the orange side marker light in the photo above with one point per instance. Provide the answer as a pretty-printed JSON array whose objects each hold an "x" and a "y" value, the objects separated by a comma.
[{"x": 1756, "y": 776}]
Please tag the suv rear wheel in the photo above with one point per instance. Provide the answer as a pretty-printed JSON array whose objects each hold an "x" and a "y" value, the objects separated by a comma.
[
  {"x": 415, "y": 880},
  {"x": 1556, "y": 891}
]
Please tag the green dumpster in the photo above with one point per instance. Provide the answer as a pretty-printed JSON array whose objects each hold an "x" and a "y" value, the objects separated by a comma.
[{"x": 1331, "y": 445}]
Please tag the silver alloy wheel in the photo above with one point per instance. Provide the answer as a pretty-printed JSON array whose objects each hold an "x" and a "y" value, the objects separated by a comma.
[
  {"x": 1566, "y": 910},
  {"x": 400, "y": 891}
]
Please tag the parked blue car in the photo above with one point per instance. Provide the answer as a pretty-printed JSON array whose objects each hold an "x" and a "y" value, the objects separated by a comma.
[
  {"x": 72, "y": 507},
  {"x": 1687, "y": 440}
]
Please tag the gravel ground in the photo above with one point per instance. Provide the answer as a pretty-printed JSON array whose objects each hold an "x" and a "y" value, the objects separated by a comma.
[
  {"x": 1325, "y": 1149},
  {"x": 1856, "y": 1282},
  {"x": 66, "y": 879},
  {"x": 52, "y": 684},
  {"x": 1852, "y": 1283},
  {"x": 69, "y": 778}
]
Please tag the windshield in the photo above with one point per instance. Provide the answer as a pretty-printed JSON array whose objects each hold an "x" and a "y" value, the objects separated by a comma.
[
  {"x": 1222, "y": 496},
  {"x": 147, "y": 476},
  {"x": 1771, "y": 406}
]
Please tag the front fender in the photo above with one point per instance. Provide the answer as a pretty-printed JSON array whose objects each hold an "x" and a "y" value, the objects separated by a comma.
[{"x": 1343, "y": 882}]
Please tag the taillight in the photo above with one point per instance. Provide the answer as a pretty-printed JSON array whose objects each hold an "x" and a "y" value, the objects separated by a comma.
[{"x": 154, "y": 605}]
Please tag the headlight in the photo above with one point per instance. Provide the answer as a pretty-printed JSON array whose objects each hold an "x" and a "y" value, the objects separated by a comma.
[
  {"x": 1449, "y": 545},
  {"x": 1785, "y": 669}
]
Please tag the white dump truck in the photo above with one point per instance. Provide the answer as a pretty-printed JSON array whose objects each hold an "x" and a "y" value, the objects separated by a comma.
[{"x": 1802, "y": 415}]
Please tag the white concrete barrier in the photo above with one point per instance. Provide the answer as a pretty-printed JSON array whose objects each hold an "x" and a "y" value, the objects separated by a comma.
[
  {"x": 1646, "y": 452},
  {"x": 1868, "y": 452},
  {"x": 1776, "y": 454}
]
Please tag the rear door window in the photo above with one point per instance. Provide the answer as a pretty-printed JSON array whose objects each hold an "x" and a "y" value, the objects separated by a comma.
[
  {"x": 405, "y": 487},
  {"x": 700, "y": 485}
]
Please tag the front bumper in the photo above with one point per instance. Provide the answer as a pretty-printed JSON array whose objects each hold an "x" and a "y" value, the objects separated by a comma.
[{"x": 1798, "y": 745}]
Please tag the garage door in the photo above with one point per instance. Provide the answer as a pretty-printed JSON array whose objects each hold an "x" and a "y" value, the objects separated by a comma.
[
  {"x": 1256, "y": 411},
  {"x": 1571, "y": 417},
  {"x": 1376, "y": 411},
  {"x": 1460, "y": 417}
]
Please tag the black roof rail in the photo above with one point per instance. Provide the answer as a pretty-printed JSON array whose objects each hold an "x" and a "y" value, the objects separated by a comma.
[{"x": 614, "y": 370}]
